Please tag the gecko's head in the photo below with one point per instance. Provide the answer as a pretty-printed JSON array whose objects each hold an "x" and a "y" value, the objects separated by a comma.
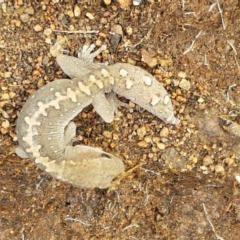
[
  {"x": 89, "y": 167},
  {"x": 111, "y": 167}
]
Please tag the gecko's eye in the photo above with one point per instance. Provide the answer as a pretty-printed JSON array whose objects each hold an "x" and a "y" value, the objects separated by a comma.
[{"x": 104, "y": 155}]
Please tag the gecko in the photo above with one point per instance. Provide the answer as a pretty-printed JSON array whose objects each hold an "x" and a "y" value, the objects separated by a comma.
[{"x": 45, "y": 129}]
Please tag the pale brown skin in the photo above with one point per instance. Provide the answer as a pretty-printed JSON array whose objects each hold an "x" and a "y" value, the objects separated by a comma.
[{"x": 41, "y": 125}]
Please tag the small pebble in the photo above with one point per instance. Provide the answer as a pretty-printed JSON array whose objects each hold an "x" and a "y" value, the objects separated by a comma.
[
  {"x": 117, "y": 29},
  {"x": 7, "y": 74},
  {"x": 5, "y": 96},
  {"x": 40, "y": 83},
  {"x": 4, "y": 7},
  {"x": 165, "y": 62},
  {"x": 5, "y": 124},
  {"x": 185, "y": 84},
  {"x": 29, "y": 10},
  {"x": 141, "y": 132},
  {"x": 129, "y": 30},
  {"x": 148, "y": 58},
  {"x": 124, "y": 3},
  {"x": 156, "y": 139},
  {"x": 229, "y": 161},
  {"x": 161, "y": 146},
  {"x": 181, "y": 99},
  {"x": 38, "y": 28},
  {"x": 107, "y": 134},
  {"x": 182, "y": 74},
  {"x": 148, "y": 139},
  {"x": 219, "y": 169},
  {"x": 112, "y": 145},
  {"x": 24, "y": 17},
  {"x": 90, "y": 16},
  {"x": 77, "y": 11},
  {"x": 137, "y": 2},
  {"x": 47, "y": 31},
  {"x": 142, "y": 144},
  {"x": 36, "y": 72},
  {"x": 107, "y": 2},
  {"x": 45, "y": 60},
  {"x": 129, "y": 116},
  {"x": 237, "y": 177},
  {"x": 164, "y": 132},
  {"x": 70, "y": 13},
  {"x": 207, "y": 160}
]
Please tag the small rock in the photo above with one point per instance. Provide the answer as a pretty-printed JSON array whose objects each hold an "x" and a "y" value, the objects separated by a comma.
[
  {"x": 168, "y": 81},
  {"x": 141, "y": 132},
  {"x": 77, "y": 11},
  {"x": 204, "y": 169},
  {"x": 164, "y": 132},
  {"x": 165, "y": 62},
  {"x": 70, "y": 13},
  {"x": 115, "y": 137},
  {"x": 5, "y": 96},
  {"x": 142, "y": 144},
  {"x": 29, "y": 10},
  {"x": 161, "y": 146},
  {"x": 5, "y": 114},
  {"x": 129, "y": 116},
  {"x": 148, "y": 58},
  {"x": 4, "y": 7},
  {"x": 65, "y": 19},
  {"x": 115, "y": 39},
  {"x": 148, "y": 139},
  {"x": 129, "y": 30},
  {"x": 24, "y": 17},
  {"x": 56, "y": 49},
  {"x": 219, "y": 169},
  {"x": 107, "y": 2},
  {"x": 117, "y": 29},
  {"x": 90, "y": 16},
  {"x": 45, "y": 60},
  {"x": 229, "y": 161},
  {"x": 47, "y": 31},
  {"x": 5, "y": 124},
  {"x": 156, "y": 139},
  {"x": 12, "y": 94},
  {"x": 107, "y": 134},
  {"x": 200, "y": 100},
  {"x": 7, "y": 74},
  {"x": 36, "y": 72},
  {"x": 38, "y": 28},
  {"x": 237, "y": 176},
  {"x": 207, "y": 160},
  {"x": 124, "y": 3},
  {"x": 16, "y": 22},
  {"x": 164, "y": 140},
  {"x": 137, "y": 2},
  {"x": 40, "y": 83},
  {"x": 185, "y": 84},
  {"x": 112, "y": 145},
  {"x": 182, "y": 74},
  {"x": 181, "y": 99},
  {"x": 39, "y": 59},
  {"x": 20, "y": 2}
]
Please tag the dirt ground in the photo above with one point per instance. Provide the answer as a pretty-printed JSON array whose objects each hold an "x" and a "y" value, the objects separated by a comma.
[{"x": 188, "y": 184}]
